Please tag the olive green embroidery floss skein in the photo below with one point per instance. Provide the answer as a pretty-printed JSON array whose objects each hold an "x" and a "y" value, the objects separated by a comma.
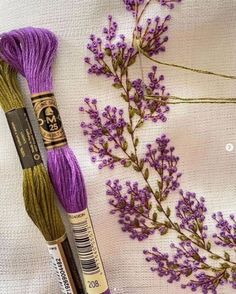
[{"x": 38, "y": 192}]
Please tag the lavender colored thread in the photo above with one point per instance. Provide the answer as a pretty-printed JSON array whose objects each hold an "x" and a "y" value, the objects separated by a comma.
[
  {"x": 32, "y": 51},
  {"x": 67, "y": 178}
]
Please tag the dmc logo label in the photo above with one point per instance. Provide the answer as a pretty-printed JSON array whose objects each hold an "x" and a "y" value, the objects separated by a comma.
[{"x": 49, "y": 119}]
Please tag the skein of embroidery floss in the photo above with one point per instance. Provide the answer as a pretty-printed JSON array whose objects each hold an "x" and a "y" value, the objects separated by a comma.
[
  {"x": 38, "y": 191},
  {"x": 32, "y": 52}
]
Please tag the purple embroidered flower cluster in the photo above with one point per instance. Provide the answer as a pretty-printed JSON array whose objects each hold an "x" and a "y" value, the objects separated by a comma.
[
  {"x": 134, "y": 5},
  {"x": 197, "y": 259}
]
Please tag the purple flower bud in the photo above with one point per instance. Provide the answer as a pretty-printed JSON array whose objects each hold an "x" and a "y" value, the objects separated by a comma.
[{"x": 93, "y": 159}]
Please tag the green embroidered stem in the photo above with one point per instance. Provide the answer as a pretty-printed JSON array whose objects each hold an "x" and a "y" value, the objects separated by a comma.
[
  {"x": 139, "y": 17},
  {"x": 200, "y": 71},
  {"x": 182, "y": 100}
]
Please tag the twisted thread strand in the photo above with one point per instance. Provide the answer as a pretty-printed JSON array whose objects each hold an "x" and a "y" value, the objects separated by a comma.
[{"x": 38, "y": 192}]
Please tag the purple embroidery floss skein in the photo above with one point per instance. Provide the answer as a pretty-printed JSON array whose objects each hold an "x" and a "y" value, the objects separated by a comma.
[
  {"x": 38, "y": 192},
  {"x": 32, "y": 51}
]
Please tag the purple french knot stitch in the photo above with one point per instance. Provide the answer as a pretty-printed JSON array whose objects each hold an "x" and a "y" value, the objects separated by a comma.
[
  {"x": 134, "y": 5},
  {"x": 158, "y": 204}
]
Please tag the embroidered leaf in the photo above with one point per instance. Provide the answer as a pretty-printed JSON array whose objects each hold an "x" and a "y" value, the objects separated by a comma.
[
  {"x": 124, "y": 71},
  {"x": 159, "y": 208},
  {"x": 133, "y": 157},
  {"x": 125, "y": 97},
  {"x": 183, "y": 238},
  {"x": 108, "y": 51},
  {"x": 154, "y": 216},
  {"x": 129, "y": 128},
  {"x": 205, "y": 266},
  {"x": 136, "y": 223},
  {"x": 132, "y": 60},
  {"x": 132, "y": 201},
  {"x": 194, "y": 228},
  {"x": 136, "y": 98},
  {"x": 149, "y": 91},
  {"x": 148, "y": 189},
  {"x": 131, "y": 112},
  {"x": 164, "y": 231},
  {"x": 117, "y": 85},
  {"x": 208, "y": 246},
  {"x": 105, "y": 145},
  {"x": 119, "y": 131},
  {"x": 139, "y": 124},
  {"x": 116, "y": 158},
  {"x": 119, "y": 59},
  {"x": 105, "y": 131},
  {"x": 157, "y": 195},
  {"x": 225, "y": 265},
  {"x": 125, "y": 146},
  {"x": 227, "y": 256},
  {"x": 160, "y": 185},
  {"x": 141, "y": 209},
  {"x": 137, "y": 111},
  {"x": 168, "y": 211},
  {"x": 158, "y": 225},
  {"x": 136, "y": 141},
  {"x": 146, "y": 174},
  {"x": 127, "y": 164},
  {"x": 177, "y": 227},
  {"x": 114, "y": 64},
  {"x": 196, "y": 256},
  {"x": 215, "y": 257},
  {"x": 141, "y": 164},
  {"x": 135, "y": 167},
  {"x": 129, "y": 85},
  {"x": 168, "y": 224}
]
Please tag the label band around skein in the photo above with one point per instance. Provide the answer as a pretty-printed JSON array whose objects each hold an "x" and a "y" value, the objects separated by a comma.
[
  {"x": 58, "y": 251},
  {"x": 24, "y": 138},
  {"x": 49, "y": 120},
  {"x": 87, "y": 249}
]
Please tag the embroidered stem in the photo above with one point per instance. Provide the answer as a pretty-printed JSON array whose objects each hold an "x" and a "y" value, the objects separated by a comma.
[
  {"x": 181, "y": 100},
  {"x": 200, "y": 71},
  {"x": 138, "y": 17}
]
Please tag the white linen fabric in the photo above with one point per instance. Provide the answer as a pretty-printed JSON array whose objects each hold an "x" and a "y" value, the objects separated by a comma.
[{"x": 202, "y": 34}]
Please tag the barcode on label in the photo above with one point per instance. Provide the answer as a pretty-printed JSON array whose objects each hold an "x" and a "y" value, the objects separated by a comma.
[
  {"x": 58, "y": 276},
  {"x": 59, "y": 266},
  {"x": 85, "y": 248}
]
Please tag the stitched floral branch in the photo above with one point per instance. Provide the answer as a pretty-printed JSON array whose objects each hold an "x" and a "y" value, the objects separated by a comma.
[{"x": 113, "y": 140}]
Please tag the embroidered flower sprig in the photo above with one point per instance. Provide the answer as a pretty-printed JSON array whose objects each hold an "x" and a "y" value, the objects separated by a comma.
[
  {"x": 134, "y": 5},
  {"x": 196, "y": 259}
]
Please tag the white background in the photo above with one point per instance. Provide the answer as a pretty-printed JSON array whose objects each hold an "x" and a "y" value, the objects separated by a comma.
[{"x": 202, "y": 34}]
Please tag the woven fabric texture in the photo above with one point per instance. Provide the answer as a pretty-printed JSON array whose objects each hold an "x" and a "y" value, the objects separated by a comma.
[{"x": 202, "y": 34}]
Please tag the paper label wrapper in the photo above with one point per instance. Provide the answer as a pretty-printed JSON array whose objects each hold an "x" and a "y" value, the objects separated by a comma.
[
  {"x": 49, "y": 120},
  {"x": 89, "y": 256},
  {"x": 24, "y": 138},
  {"x": 62, "y": 258}
]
